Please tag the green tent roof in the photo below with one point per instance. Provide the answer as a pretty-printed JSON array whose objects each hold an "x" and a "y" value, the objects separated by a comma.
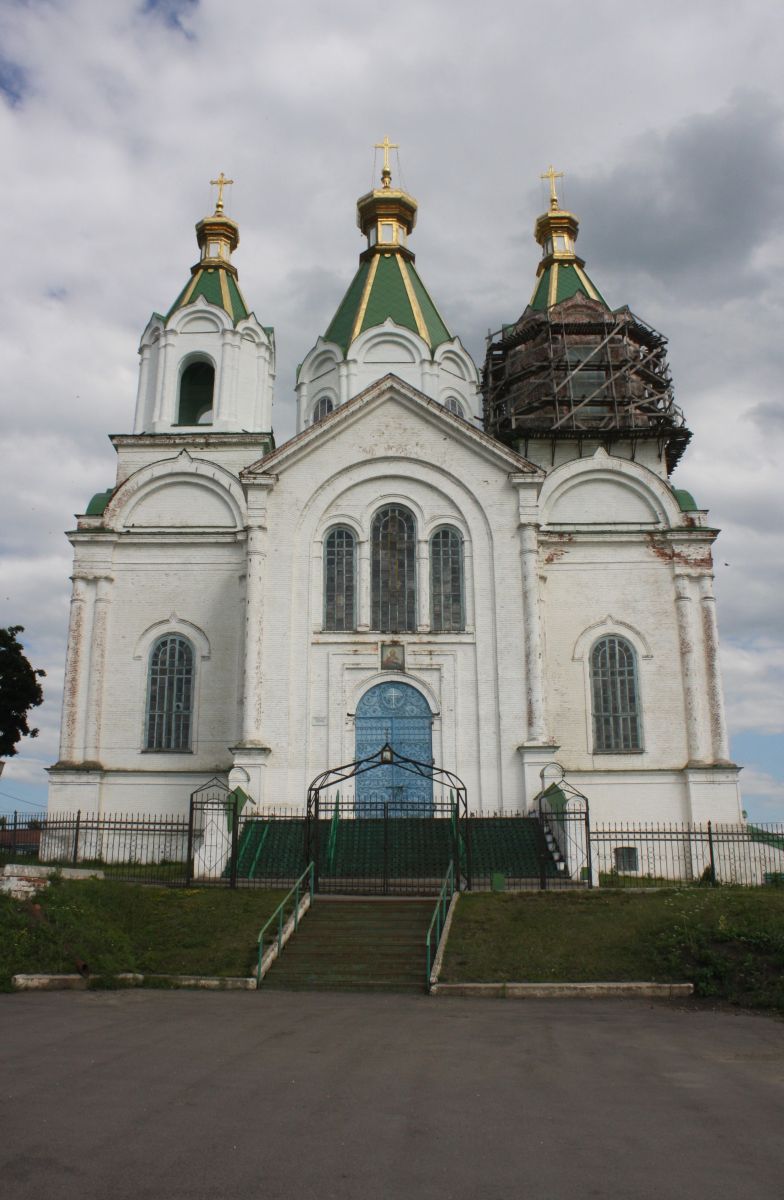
[
  {"x": 560, "y": 281},
  {"x": 218, "y": 287},
  {"x": 387, "y": 287}
]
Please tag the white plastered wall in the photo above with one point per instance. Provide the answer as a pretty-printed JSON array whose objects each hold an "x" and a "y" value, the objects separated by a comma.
[{"x": 449, "y": 373}]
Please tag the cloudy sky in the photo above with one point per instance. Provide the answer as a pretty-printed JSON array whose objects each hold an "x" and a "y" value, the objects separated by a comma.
[{"x": 667, "y": 118}]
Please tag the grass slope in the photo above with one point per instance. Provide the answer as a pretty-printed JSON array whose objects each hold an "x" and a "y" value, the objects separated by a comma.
[
  {"x": 127, "y": 927},
  {"x": 728, "y": 941}
]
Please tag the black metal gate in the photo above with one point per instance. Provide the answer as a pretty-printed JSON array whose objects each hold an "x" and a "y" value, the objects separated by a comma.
[{"x": 395, "y": 845}]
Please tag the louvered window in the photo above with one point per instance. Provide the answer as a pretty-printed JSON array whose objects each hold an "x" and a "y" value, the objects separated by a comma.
[
  {"x": 393, "y": 571},
  {"x": 170, "y": 695},
  {"x": 616, "y": 716},
  {"x": 340, "y": 580}
]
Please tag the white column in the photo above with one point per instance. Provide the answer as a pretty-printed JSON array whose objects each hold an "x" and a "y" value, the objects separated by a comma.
[
  {"x": 95, "y": 687},
  {"x": 164, "y": 412},
  {"x": 532, "y": 633},
  {"x": 710, "y": 633},
  {"x": 256, "y": 551},
  {"x": 142, "y": 394},
  {"x": 687, "y": 635},
  {"x": 77, "y": 669},
  {"x": 343, "y": 382},
  {"x": 225, "y": 402},
  {"x": 363, "y": 584},
  {"x": 423, "y": 585}
]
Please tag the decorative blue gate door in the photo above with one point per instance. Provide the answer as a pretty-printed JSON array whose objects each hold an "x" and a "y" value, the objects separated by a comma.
[{"x": 398, "y": 714}]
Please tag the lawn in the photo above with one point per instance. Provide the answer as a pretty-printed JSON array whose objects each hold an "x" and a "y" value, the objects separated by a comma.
[
  {"x": 117, "y": 927},
  {"x": 728, "y": 941}
]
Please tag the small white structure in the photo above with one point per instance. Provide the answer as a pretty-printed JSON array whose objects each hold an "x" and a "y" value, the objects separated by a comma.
[{"x": 393, "y": 572}]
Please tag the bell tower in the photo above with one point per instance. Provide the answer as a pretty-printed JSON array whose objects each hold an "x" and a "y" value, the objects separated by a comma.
[{"x": 208, "y": 365}]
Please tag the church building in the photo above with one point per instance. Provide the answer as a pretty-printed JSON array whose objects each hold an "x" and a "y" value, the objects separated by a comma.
[{"x": 490, "y": 571}]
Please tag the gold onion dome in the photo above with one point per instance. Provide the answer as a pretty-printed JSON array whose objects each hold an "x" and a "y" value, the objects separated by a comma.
[
  {"x": 387, "y": 285},
  {"x": 214, "y": 276},
  {"x": 560, "y": 273}
]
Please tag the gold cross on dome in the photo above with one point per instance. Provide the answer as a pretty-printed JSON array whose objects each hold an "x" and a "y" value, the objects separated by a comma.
[
  {"x": 386, "y": 146},
  {"x": 552, "y": 175},
  {"x": 220, "y": 183}
]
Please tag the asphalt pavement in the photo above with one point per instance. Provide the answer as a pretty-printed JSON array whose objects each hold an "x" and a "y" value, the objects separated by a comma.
[{"x": 195, "y": 1095}]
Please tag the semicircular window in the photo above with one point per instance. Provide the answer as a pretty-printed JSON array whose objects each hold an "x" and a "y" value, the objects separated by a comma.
[
  {"x": 454, "y": 406},
  {"x": 393, "y": 570},
  {"x": 197, "y": 385}
]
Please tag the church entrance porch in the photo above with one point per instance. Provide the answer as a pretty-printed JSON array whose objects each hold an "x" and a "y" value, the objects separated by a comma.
[{"x": 397, "y": 715}]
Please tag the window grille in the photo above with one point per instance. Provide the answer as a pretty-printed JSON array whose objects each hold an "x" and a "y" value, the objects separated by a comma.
[
  {"x": 446, "y": 581},
  {"x": 170, "y": 695},
  {"x": 322, "y": 409},
  {"x": 340, "y": 580},
  {"x": 616, "y": 719},
  {"x": 626, "y": 858},
  {"x": 393, "y": 571},
  {"x": 454, "y": 406}
]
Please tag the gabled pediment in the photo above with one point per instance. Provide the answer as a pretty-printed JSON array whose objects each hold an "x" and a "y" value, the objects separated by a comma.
[{"x": 393, "y": 392}]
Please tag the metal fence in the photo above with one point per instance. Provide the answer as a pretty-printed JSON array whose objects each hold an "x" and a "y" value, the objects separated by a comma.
[{"x": 226, "y": 842}]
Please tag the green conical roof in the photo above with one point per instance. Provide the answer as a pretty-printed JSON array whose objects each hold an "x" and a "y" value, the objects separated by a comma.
[
  {"x": 218, "y": 286},
  {"x": 215, "y": 277},
  {"x": 387, "y": 287},
  {"x": 561, "y": 273},
  {"x": 560, "y": 281}
]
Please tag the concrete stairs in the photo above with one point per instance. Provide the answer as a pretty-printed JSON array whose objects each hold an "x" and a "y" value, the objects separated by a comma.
[{"x": 360, "y": 945}]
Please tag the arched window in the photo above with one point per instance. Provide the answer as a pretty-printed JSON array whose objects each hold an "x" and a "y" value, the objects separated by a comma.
[
  {"x": 169, "y": 695},
  {"x": 454, "y": 406},
  {"x": 616, "y": 716},
  {"x": 197, "y": 385},
  {"x": 340, "y": 573},
  {"x": 322, "y": 409},
  {"x": 446, "y": 581},
  {"x": 393, "y": 571}
]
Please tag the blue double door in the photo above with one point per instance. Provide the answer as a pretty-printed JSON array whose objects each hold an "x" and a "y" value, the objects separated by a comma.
[{"x": 398, "y": 714}]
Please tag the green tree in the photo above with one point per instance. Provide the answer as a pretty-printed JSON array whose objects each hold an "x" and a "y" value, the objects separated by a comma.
[{"x": 19, "y": 691}]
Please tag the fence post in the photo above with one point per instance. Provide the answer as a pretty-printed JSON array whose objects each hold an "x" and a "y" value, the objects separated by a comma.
[
  {"x": 234, "y": 831},
  {"x": 13, "y": 836},
  {"x": 468, "y": 865},
  {"x": 76, "y": 837},
  {"x": 588, "y": 852},
  {"x": 710, "y": 852},
  {"x": 189, "y": 853},
  {"x": 386, "y": 849}
]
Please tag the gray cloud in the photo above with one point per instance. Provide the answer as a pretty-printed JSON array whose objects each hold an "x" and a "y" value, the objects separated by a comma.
[{"x": 674, "y": 170}]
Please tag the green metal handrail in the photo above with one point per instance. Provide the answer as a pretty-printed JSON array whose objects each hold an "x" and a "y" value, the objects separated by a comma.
[
  {"x": 439, "y": 916},
  {"x": 278, "y": 915}
]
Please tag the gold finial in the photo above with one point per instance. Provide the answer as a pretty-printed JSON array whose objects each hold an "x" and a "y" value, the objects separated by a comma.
[
  {"x": 386, "y": 146},
  {"x": 220, "y": 183},
  {"x": 552, "y": 175}
]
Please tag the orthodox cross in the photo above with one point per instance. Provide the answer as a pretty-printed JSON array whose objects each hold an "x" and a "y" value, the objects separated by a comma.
[
  {"x": 386, "y": 146},
  {"x": 394, "y": 696},
  {"x": 220, "y": 183},
  {"x": 552, "y": 175}
]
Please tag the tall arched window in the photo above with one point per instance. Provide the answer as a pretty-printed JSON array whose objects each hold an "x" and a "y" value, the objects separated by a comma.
[
  {"x": 446, "y": 581},
  {"x": 197, "y": 385},
  {"x": 169, "y": 695},
  {"x": 616, "y": 715},
  {"x": 340, "y": 573},
  {"x": 322, "y": 409},
  {"x": 393, "y": 598}
]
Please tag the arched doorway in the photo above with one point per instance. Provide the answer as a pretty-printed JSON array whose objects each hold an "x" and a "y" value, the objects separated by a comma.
[{"x": 398, "y": 714}]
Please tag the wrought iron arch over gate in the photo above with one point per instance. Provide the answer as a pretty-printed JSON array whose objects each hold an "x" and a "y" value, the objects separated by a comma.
[{"x": 374, "y": 845}]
